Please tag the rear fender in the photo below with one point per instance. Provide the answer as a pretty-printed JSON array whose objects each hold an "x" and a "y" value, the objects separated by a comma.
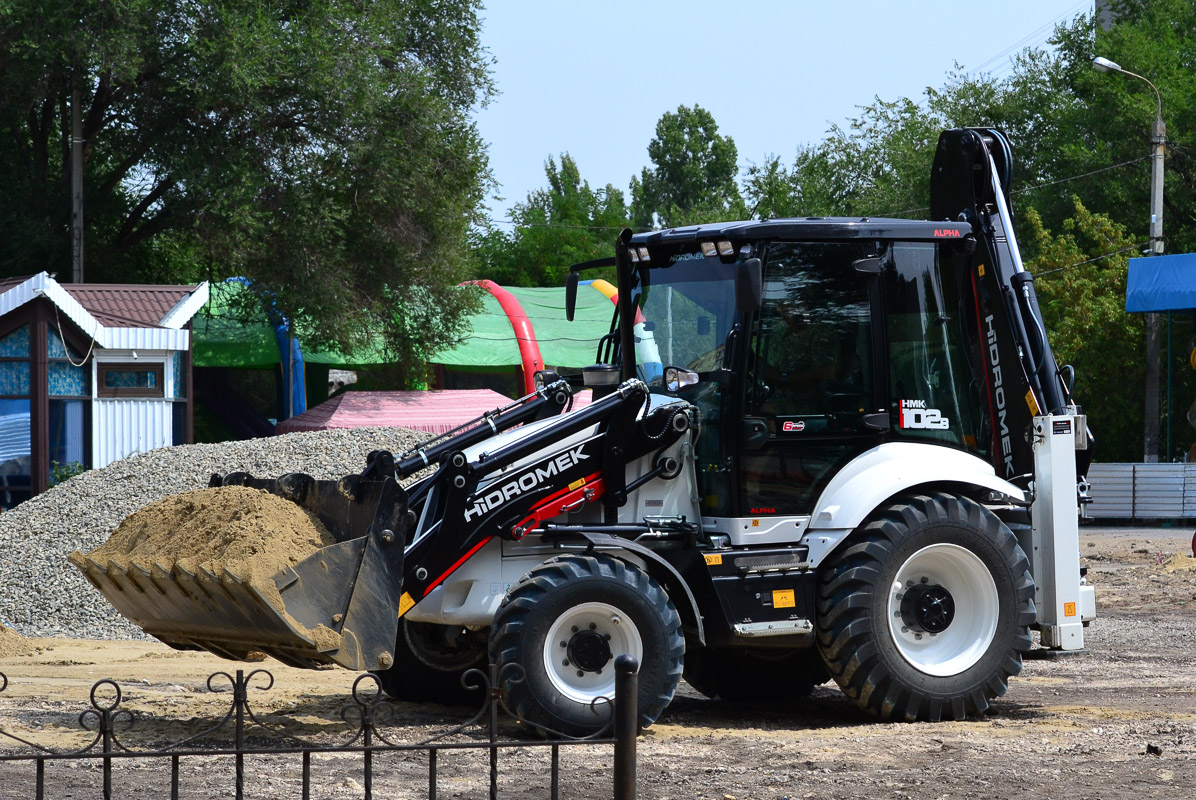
[{"x": 884, "y": 472}]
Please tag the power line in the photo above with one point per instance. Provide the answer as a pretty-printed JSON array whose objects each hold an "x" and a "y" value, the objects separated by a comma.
[
  {"x": 1035, "y": 37},
  {"x": 1091, "y": 260},
  {"x": 1025, "y": 189},
  {"x": 1084, "y": 175},
  {"x": 513, "y": 223}
]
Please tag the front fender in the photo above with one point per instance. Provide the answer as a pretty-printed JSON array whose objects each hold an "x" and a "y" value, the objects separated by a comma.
[{"x": 884, "y": 472}]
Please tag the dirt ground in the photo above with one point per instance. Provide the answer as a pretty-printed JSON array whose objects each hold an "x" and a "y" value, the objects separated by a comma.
[{"x": 1115, "y": 721}]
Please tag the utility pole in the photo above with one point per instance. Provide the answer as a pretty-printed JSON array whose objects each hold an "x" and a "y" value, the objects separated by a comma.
[
  {"x": 76, "y": 182},
  {"x": 1150, "y": 444},
  {"x": 1158, "y": 140}
]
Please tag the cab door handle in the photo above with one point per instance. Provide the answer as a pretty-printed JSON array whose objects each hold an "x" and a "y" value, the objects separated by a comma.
[{"x": 878, "y": 422}]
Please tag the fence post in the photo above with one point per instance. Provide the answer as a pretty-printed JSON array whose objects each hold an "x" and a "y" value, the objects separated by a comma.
[{"x": 626, "y": 725}]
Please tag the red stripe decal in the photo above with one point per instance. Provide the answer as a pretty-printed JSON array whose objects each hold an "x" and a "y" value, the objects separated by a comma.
[{"x": 460, "y": 561}]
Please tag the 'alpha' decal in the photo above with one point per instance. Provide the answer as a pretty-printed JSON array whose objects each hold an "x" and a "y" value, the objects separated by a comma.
[
  {"x": 915, "y": 414},
  {"x": 950, "y": 233}
]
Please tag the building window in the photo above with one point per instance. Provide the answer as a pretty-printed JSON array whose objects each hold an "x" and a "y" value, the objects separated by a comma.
[
  {"x": 68, "y": 376},
  {"x": 130, "y": 380},
  {"x": 69, "y": 423},
  {"x": 15, "y": 442}
]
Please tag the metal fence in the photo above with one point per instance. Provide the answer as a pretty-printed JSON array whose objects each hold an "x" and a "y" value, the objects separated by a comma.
[
  {"x": 1142, "y": 491},
  {"x": 368, "y": 715}
]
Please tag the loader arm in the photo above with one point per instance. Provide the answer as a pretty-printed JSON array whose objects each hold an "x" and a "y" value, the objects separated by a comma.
[{"x": 510, "y": 491}]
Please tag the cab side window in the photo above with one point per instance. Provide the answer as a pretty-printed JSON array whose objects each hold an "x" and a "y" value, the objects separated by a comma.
[{"x": 812, "y": 353}]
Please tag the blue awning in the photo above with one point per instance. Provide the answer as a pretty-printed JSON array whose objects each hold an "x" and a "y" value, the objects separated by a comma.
[{"x": 1161, "y": 283}]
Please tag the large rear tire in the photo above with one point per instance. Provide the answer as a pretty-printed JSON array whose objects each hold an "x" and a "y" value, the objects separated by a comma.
[
  {"x": 429, "y": 662},
  {"x": 566, "y": 622},
  {"x": 925, "y": 614},
  {"x": 754, "y": 675}
]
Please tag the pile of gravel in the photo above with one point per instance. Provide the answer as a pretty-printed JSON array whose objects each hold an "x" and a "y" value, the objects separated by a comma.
[{"x": 42, "y": 594}]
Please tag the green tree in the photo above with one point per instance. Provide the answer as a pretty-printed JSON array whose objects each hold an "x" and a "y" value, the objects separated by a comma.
[
  {"x": 554, "y": 228},
  {"x": 322, "y": 149},
  {"x": 1081, "y": 287},
  {"x": 693, "y": 177}
]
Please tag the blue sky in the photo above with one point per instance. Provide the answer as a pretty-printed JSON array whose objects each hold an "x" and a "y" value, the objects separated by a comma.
[{"x": 592, "y": 78}]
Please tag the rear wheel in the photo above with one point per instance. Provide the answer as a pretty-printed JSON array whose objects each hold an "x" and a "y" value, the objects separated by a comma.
[
  {"x": 429, "y": 662},
  {"x": 743, "y": 675},
  {"x": 566, "y": 623},
  {"x": 925, "y": 613}
]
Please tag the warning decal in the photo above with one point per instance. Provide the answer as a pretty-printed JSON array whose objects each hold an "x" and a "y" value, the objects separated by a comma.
[{"x": 783, "y": 598}]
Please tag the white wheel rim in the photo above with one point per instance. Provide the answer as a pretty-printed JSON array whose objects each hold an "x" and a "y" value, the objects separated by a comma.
[
  {"x": 967, "y": 637},
  {"x": 587, "y": 681}
]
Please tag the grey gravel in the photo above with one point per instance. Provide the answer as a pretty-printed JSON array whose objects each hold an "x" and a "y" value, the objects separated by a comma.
[{"x": 42, "y": 594}]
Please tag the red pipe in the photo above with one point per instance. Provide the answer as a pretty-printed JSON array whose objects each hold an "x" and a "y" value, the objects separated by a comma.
[{"x": 525, "y": 335}]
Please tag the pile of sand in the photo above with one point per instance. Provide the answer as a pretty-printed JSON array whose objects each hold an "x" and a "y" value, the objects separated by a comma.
[
  {"x": 1180, "y": 563},
  {"x": 230, "y": 527},
  {"x": 248, "y": 532},
  {"x": 13, "y": 643}
]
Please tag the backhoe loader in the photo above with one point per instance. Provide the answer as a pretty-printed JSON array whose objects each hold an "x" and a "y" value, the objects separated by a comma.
[{"x": 818, "y": 448}]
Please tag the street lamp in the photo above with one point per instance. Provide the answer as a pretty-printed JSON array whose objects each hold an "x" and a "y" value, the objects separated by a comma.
[{"x": 1158, "y": 138}]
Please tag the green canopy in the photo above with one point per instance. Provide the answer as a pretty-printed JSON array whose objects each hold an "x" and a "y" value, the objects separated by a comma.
[
  {"x": 222, "y": 340},
  {"x": 219, "y": 339},
  {"x": 571, "y": 345}
]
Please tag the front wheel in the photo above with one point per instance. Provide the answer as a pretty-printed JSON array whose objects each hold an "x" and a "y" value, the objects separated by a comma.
[
  {"x": 566, "y": 623},
  {"x": 925, "y": 613}
]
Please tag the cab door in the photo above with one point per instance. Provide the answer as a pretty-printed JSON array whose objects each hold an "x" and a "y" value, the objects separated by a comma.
[{"x": 813, "y": 391}]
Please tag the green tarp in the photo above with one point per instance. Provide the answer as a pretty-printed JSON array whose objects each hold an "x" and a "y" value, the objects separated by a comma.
[
  {"x": 222, "y": 341},
  {"x": 562, "y": 343}
]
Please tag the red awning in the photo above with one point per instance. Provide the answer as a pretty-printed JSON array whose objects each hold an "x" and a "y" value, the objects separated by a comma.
[{"x": 433, "y": 411}]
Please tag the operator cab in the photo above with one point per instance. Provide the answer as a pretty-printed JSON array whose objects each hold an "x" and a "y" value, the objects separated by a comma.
[{"x": 857, "y": 338}]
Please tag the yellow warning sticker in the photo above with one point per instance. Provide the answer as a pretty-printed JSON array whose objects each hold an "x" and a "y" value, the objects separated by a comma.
[
  {"x": 755, "y": 523},
  {"x": 783, "y": 598},
  {"x": 577, "y": 484},
  {"x": 405, "y": 603},
  {"x": 714, "y": 559},
  {"x": 980, "y": 267},
  {"x": 1069, "y": 609},
  {"x": 1032, "y": 403}
]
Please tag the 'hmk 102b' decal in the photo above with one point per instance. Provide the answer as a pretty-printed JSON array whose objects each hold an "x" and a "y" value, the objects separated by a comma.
[{"x": 915, "y": 414}]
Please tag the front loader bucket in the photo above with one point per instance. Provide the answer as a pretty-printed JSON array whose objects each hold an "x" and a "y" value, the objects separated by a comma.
[{"x": 338, "y": 605}]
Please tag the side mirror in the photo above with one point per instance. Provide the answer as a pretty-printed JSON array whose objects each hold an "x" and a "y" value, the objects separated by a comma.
[
  {"x": 749, "y": 286},
  {"x": 571, "y": 295},
  {"x": 676, "y": 378}
]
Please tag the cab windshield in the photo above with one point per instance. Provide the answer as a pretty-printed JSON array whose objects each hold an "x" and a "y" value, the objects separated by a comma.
[{"x": 685, "y": 309}]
